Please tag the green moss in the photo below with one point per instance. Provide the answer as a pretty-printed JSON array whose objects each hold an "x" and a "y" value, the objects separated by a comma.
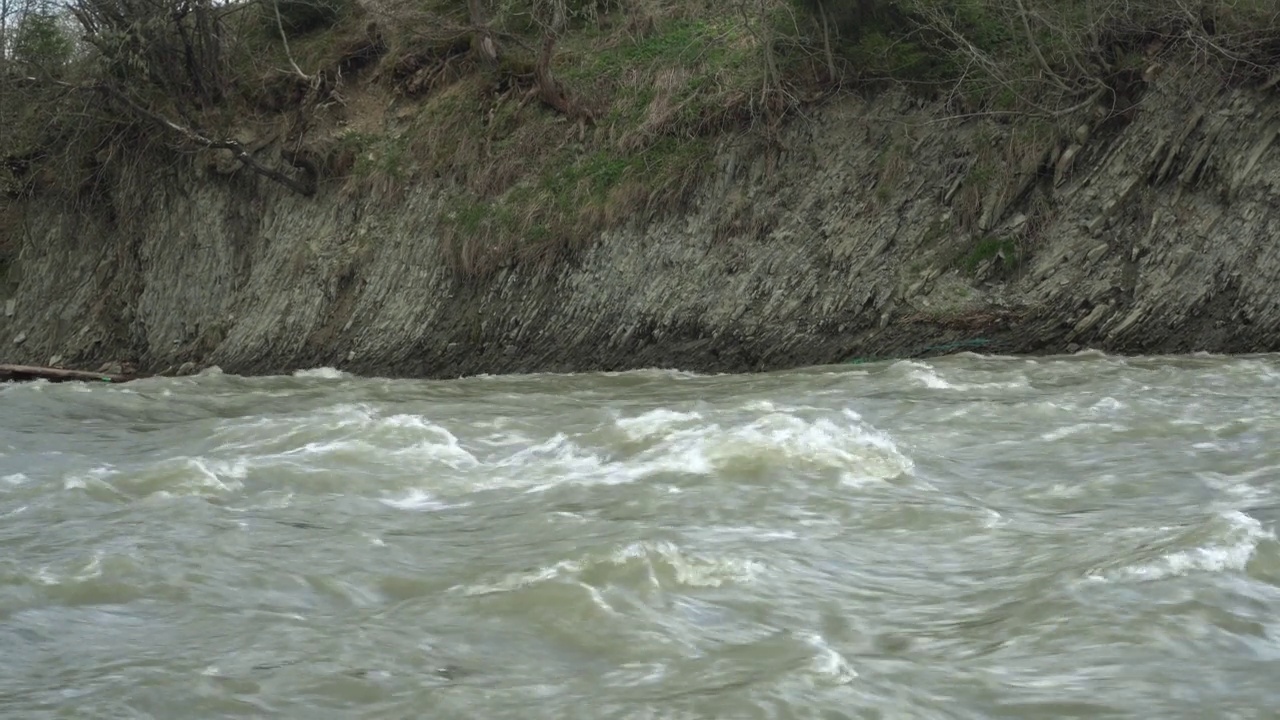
[
  {"x": 990, "y": 247},
  {"x": 704, "y": 59},
  {"x": 378, "y": 155},
  {"x": 470, "y": 216},
  {"x": 680, "y": 42},
  {"x": 590, "y": 178},
  {"x": 981, "y": 176}
]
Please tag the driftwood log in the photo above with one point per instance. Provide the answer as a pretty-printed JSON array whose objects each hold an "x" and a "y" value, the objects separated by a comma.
[{"x": 19, "y": 373}]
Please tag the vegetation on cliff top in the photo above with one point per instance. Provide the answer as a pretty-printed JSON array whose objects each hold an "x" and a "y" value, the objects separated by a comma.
[{"x": 551, "y": 120}]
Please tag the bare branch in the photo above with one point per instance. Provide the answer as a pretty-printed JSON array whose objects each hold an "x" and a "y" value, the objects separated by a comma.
[
  {"x": 284, "y": 38},
  {"x": 306, "y": 188}
]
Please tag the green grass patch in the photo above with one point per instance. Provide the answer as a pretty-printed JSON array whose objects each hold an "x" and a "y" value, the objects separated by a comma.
[
  {"x": 377, "y": 155},
  {"x": 993, "y": 247},
  {"x": 572, "y": 199}
]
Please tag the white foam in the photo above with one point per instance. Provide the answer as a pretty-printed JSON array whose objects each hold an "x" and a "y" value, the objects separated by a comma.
[
  {"x": 1252, "y": 487},
  {"x": 691, "y": 570},
  {"x": 97, "y": 475},
  {"x": 597, "y": 598},
  {"x": 671, "y": 441},
  {"x": 322, "y": 373},
  {"x": 1065, "y": 490},
  {"x": 688, "y": 444},
  {"x": 931, "y": 380},
  {"x": 1065, "y": 432},
  {"x": 93, "y": 569},
  {"x": 360, "y": 433},
  {"x": 828, "y": 663},
  {"x": 654, "y": 422},
  {"x": 559, "y": 457},
  {"x": 860, "y": 451},
  {"x": 1107, "y": 405},
  {"x": 417, "y": 500},
  {"x": 660, "y": 373},
  {"x": 436, "y": 443},
  {"x": 221, "y": 475},
  {"x": 15, "y": 479},
  {"x": 929, "y": 377},
  {"x": 1241, "y": 538},
  {"x": 687, "y": 569},
  {"x": 993, "y": 519}
]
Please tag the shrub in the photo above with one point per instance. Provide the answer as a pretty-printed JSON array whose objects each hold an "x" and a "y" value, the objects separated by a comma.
[
  {"x": 301, "y": 17},
  {"x": 42, "y": 40}
]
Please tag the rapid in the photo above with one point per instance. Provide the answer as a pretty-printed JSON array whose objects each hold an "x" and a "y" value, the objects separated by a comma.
[{"x": 961, "y": 537}]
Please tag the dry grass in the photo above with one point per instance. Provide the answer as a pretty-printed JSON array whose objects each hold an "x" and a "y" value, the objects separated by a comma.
[
  {"x": 529, "y": 185},
  {"x": 402, "y": 99}
]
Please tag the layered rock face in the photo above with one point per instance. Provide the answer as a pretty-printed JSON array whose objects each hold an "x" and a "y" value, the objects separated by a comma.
[{"x": 869, "y": 229}]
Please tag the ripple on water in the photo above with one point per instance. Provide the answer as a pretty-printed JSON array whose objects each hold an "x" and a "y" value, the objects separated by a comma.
[
  {"x": 960, "y": 537},
  {"x": 671, "y": 444},
  {"x": 1226, "y": 542},
  {"x": 659, "y": 564}
]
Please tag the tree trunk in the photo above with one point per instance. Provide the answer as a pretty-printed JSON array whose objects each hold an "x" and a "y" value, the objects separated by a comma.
[
  {"x": 548, "y": 89},
  {"x": 482, "y": 42}
]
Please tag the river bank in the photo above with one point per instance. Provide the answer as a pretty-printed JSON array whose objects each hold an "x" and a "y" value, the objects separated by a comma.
[{"x": 868, "y": 225}]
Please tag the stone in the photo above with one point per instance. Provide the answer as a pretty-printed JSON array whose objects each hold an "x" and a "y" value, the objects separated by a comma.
[
  {"x": 10, "y": 307},
  {"x": 22, "y": 337},
  {"x": 1128, "y": 322},
  {"x": 55, "y": 361},
  {"x": 1092, "y": 319}
]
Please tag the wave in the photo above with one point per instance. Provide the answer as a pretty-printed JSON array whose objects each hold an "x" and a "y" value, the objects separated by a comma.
[
  {"x": 661, "y": 564},
  {"x": 1237, "y": 539},
  {"x": 322, "y": 373},
  {"x": 926, "y": 375}
]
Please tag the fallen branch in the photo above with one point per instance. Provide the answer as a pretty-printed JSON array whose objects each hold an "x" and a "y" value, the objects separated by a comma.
[
  {"x": 306, "y": 188},
  {"x": 20, "y": 373}
]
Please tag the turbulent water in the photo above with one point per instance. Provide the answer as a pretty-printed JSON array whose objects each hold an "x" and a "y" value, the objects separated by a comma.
[{"x": 969, "y": 537}]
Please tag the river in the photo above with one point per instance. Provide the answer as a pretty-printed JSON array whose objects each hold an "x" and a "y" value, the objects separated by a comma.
[{"x": 965, "y": 537}]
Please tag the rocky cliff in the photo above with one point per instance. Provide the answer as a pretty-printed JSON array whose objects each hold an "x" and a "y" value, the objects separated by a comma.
[{"x": 868, "y": 228}]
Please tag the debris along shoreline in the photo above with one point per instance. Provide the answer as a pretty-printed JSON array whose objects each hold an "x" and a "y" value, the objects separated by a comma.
[{"x": 26, "y": 373}]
